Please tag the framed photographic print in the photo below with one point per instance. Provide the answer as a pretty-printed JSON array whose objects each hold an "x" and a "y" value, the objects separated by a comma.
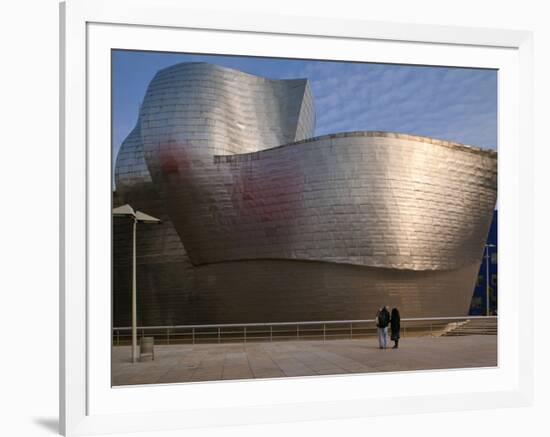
[{"x": 274, "y": 218}]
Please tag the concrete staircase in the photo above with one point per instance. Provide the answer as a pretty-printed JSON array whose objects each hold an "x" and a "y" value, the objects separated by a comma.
[{"x": 473, "y": 327}]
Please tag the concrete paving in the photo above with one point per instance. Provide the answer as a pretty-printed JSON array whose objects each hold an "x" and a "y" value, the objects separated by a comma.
[{"x": 208, "y": 362}]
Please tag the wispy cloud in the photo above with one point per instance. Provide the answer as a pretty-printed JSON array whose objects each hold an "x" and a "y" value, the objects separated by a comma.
[{"x": 447, "y": 103}]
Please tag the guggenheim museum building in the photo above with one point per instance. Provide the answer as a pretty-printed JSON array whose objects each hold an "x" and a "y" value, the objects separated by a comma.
[{"x": 263, "y": 222}]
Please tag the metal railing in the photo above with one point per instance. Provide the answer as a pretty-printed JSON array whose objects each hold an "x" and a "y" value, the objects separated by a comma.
[{"x": 316, "y": 330}]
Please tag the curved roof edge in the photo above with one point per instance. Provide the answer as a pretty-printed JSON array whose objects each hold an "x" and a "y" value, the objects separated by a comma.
[
  {"x": 228, "y": 69},
  {"x": 384, "y": 134}
]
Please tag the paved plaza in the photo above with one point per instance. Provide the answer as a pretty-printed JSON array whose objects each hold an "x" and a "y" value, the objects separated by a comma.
[{"x": 207, "y": 362}]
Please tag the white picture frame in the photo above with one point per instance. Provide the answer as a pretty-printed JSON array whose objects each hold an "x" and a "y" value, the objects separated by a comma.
[{"x": 90, "y": 29}]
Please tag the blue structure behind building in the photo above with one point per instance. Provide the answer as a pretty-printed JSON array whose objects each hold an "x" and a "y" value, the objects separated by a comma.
[{"x": 479, "y": 298}]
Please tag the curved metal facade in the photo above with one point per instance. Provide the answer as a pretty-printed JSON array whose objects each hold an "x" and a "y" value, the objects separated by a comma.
[{"x": 321, "y": 228}]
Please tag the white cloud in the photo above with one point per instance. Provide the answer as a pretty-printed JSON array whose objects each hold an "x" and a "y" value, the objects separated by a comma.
[{"x": 449, "y": 103}]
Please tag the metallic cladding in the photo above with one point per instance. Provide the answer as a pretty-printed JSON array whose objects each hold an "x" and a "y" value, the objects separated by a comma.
[{"x": 226, "y": 159}]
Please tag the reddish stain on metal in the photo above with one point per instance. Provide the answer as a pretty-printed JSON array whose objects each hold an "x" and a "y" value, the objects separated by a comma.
[{"x": 172, "y": 158}]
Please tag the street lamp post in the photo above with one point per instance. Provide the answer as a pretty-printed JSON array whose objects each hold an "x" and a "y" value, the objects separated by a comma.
[
  {"x": 487, "y": 246},
  {"x": 137, "y": 217}
]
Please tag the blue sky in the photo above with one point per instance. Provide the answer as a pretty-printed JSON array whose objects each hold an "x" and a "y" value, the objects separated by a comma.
[{"x": 455, "y": 104}]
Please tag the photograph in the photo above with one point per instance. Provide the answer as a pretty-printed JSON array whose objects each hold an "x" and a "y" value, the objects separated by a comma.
[{"x": 279, "y": 217}]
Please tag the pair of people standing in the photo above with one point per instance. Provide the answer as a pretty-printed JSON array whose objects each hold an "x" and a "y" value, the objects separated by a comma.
[{"x": 383, "y": 320}]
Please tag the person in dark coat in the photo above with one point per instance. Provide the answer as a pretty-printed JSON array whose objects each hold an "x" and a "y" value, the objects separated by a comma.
[
  {"x": 382, "y": 322},
  {"x": 395, "y": 324}
]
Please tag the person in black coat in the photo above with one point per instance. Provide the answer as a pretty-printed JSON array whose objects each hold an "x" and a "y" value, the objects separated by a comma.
[
  {"x": 382, "y": 322},
  {"x": 395, "y": 324}
]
